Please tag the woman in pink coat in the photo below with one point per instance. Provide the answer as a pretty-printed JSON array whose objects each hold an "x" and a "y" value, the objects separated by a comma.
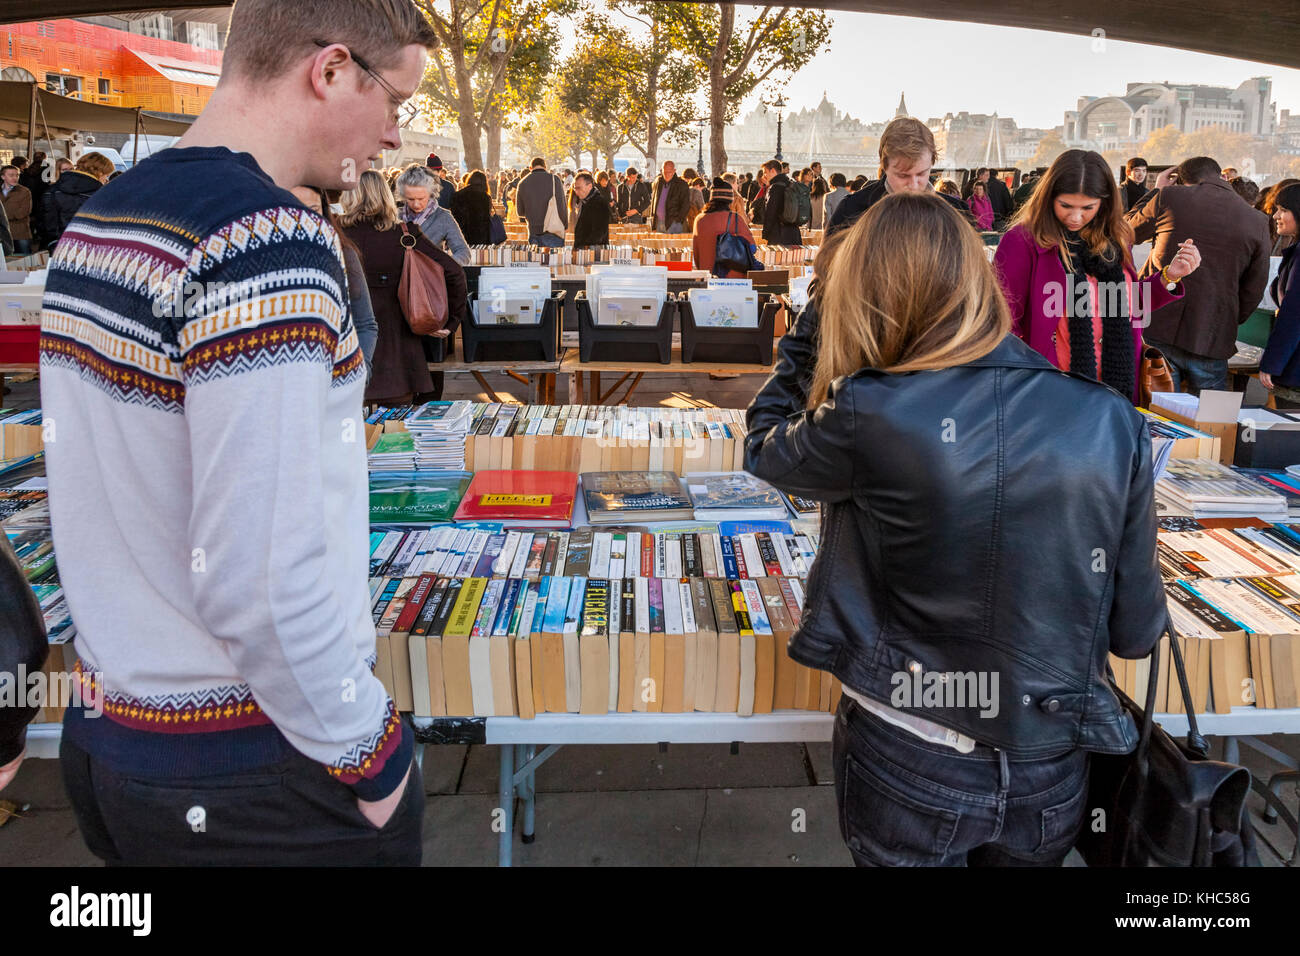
[
  {"x": 1067, "y": 273},
  {"x": 980, "y": 207}
]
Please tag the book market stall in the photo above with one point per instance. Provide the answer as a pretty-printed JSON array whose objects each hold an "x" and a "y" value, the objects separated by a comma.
[{"x": 544, "y": 575}]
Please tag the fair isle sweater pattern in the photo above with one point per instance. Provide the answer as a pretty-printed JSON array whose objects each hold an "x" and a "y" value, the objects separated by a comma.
[{"x": 234, "y": 322}]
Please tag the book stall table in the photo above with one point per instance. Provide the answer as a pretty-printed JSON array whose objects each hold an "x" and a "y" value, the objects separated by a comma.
[
  {"x": 526, "y": 744},
  {"x": 584, "y": 377}
]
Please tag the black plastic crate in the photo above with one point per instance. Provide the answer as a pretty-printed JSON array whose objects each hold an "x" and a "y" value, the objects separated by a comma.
[
  {"x": 438, "y": 349},
  {"x": 730, "y": 346},
  {"x": 515, "y": 343},
  {"x": 625, "y": 343}
]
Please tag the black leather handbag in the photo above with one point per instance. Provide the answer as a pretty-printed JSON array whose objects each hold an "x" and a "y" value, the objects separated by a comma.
[
  {"x": 23, "y": 649},
  {"x": 1166, "y": 804}
]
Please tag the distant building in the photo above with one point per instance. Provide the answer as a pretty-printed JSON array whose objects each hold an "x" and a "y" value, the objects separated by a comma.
[
  {"x": 1116, "y": 122},
  {"x": 824, "y": 133},
  {"x": 969, "y": 140}
]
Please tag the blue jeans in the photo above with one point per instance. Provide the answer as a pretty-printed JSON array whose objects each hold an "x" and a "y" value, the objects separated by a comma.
[
  {"x": 907, "y": 802},
  {"x": 22, "y": 247},
  {"x": 548, "y": 239},
  {"x": 1194, "y": 371},
  {"x": 673, "y": 228}
]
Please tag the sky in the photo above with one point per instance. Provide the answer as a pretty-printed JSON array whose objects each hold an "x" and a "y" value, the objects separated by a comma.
[{"x": 1030, "y": 75}]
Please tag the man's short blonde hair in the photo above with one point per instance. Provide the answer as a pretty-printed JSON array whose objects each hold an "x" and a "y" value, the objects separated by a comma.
[
  {"x": 906, "y": 139},
  {"x": 268, "y": 36}
]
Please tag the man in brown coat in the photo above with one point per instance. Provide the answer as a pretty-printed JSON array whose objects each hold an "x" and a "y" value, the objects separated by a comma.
[
  {"x": 18, "y": 208},
  {"x": 1198, "y": 333}
]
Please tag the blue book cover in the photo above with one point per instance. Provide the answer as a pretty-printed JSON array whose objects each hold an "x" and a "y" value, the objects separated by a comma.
[
  {"x": 730, "y": 568},
  {"x": 754, "y": 527}
]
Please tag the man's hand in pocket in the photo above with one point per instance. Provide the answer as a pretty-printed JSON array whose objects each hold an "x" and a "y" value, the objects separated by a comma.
[{"x": 379, "y": 812}]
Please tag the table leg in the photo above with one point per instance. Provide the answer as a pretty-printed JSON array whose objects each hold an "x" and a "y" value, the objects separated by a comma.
[
  {"x": 492, "y": 395},
  {"x": 594, "y": 387},
  {"x": 506, "y": 804},
  {"x": 578, "y": 389},
  {"x": 627, "y": 399},
  {"x": 530, "y": 798}
]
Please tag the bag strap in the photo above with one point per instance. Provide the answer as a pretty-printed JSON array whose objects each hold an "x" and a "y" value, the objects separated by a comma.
[
  {"x": 1195, "y": 741},
  {"x": 406, "y": 234}
]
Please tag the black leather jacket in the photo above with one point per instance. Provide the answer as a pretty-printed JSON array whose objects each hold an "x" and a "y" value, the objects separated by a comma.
[{"x": 994, "y": 517}]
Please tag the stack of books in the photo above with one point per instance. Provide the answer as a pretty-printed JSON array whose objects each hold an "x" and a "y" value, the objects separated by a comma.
[
  {"x": 392, "y": 451},
  {"x": 1207, "y": 489},
  {"x": 439, "y": 430}
]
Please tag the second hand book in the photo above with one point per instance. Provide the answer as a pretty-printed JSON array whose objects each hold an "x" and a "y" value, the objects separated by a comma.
[
  {"x": 536, "y": 499},
  {"x": 416, "y": 497},
  {"x": 614, "y": 496}
]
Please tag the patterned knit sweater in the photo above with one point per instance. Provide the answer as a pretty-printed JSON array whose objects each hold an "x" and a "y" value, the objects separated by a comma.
[{"x": 208, "y": 488}]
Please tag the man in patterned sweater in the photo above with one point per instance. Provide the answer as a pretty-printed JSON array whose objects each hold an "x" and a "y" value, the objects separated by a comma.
[{"x": 203, "y": 381}]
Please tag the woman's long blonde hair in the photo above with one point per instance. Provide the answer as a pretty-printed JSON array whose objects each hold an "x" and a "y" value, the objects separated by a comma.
[
  {"x": 907, "y": 288},
  {"x": 371, "y": 203}
]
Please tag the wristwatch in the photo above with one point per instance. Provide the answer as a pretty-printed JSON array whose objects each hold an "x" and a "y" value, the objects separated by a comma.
[{"x": 1170, "y": 284}]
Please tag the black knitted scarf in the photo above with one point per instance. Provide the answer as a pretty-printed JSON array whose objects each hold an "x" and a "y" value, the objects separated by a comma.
[{"x": 1117, "y": 360}]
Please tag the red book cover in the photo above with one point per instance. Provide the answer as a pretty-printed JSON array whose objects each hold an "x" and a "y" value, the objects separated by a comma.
[
  {"x": 544, "y": 497},
  {"x": 419, "y": 594}
]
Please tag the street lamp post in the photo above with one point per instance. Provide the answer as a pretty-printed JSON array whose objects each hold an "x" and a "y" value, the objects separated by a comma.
[
  {"x": 780, "y": 104},
  {"x": 700, "y": 163}
]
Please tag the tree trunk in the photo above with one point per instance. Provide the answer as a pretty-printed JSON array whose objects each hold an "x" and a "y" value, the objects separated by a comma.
[
  {"x": 469, "y": 134},
  {"x": 652, "y": 103},
  {"x": 493, "y": 146},
  {"x": 717, "y": 89}
]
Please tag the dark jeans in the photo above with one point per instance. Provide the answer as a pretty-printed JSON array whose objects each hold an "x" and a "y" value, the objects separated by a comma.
[
  {"x": 291, "y": 813},
  {"x": 22, "y": 247},
  {"x": 1194, "y": 371},
  {"x": 906, "y": 802}
]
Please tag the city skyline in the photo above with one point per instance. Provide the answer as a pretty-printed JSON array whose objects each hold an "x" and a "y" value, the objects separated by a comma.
[{"x": 993, "y": 63}]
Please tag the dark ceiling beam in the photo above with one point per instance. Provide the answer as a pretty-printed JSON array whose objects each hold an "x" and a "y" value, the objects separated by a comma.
[{"x": 1266, "y": 31}]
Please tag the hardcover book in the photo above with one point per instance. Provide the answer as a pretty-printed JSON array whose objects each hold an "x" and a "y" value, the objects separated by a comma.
[
  {"x": 524, "y": 498},
  {"x": 416, "y": 497},
  {"x": 616, "y": 496},
  {"x": 720, "y": 496}
]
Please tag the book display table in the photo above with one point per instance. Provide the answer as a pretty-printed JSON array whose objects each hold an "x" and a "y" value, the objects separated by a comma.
[{"x": 526, "y": 744}]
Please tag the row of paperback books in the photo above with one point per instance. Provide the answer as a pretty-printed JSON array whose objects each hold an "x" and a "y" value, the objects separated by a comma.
[
  {"x": 740, "y": 550},
  {"x": 1234, "y": 599},
  {"x": 21, "y": 434},
  {"x": 25, "y": 516},
  {"x": 519, "y": 647},
  {"x": 589, "y": 437}
]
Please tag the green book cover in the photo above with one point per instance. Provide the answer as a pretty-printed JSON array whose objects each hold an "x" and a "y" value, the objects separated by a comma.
[
  {"x": 394, "y": 442},
  {"x": 416, "y": 497}
]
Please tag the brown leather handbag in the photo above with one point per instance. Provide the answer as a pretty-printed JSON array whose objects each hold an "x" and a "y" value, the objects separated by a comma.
[
  {"x": 1154, "y": 374},
  {"x": 422, "y": 289}
]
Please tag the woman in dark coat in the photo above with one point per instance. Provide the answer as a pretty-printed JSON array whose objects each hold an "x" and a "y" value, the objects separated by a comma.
[
  {"x": 401, "y": 372},
  {"x": 65, "y": 198},
  {"x": 472, "y": 209}
]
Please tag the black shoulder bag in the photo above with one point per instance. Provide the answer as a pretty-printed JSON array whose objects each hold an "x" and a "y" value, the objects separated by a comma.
[{"x": 1165, "y": 803}]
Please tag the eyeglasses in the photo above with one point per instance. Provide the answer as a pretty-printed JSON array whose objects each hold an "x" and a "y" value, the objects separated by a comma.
[{"x": 397, "y": 97}]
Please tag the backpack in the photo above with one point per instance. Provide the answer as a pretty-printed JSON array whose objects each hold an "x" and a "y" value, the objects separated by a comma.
[
  {"x": 422, "y": 289},
  {"x": 797, "y": 210},
  {"x": 733, "y": 253}
]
